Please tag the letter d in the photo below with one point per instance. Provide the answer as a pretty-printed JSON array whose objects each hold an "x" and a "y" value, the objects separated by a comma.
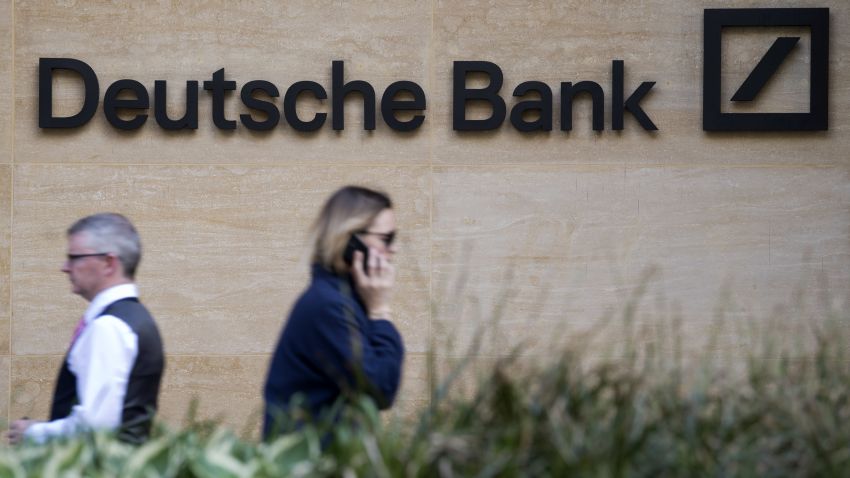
[{"x": 45, "y": 93}]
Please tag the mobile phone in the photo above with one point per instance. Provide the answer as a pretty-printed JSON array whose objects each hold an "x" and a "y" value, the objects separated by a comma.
[{"x": 355, "y": 244}]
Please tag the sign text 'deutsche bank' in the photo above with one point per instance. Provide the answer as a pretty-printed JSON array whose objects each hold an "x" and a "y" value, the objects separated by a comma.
[{"x": 135, "y": 108}]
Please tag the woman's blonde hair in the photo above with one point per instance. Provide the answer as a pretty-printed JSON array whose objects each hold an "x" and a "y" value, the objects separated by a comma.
[{"x": 349, "y": 210}]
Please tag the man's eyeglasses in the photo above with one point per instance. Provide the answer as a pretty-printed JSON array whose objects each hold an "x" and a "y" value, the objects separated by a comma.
[
  {"x": 74, "y": 257},
  {"x": 387, "y": 237}
]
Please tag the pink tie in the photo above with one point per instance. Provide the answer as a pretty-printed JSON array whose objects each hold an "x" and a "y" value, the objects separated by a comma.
[{"x": 80, "y": 326}]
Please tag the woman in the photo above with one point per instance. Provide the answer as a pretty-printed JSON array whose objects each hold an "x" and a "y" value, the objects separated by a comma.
[{"x": 339, "y": 338}]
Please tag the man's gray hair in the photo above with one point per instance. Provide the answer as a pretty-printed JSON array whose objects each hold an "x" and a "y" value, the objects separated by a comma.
[{"x": 114, "y": 233}]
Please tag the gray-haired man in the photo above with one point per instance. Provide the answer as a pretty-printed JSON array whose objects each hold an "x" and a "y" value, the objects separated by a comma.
[{"x": 111, "y": 375}]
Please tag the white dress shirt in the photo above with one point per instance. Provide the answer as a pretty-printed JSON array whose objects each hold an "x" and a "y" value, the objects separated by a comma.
[{"x": 101, "y": 358}]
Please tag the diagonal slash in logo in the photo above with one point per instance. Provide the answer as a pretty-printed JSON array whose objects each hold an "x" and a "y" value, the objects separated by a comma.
[{"x": 768, "y": 65}]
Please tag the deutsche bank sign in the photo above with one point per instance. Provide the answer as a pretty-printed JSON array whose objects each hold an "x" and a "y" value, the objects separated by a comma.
[{"x": 127, "y": 103}]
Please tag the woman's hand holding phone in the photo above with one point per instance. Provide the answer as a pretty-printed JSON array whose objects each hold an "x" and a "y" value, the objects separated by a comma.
[{"x": 374, "y": 283}]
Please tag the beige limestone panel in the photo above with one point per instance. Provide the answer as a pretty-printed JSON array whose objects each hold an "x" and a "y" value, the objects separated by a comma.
[
  {"x": 404, "y": 414},
  {"x": 5, "y": 275},
  {"x": 6, "y": 100},
  {"x": 460, "y": 377},
  {"x": 280, "y": 42},
  {"x": 531, "y": 256},
  {"x": 33, "y": 379},
  {"x": 227, "y": 389},
  {"x": 415, "y": 378},
  {"x": 414, "y": 394},
  {"x": 659, "y": 40},
  {"x": 5, "y": 387},
  {"x": 225, "y": 248}
]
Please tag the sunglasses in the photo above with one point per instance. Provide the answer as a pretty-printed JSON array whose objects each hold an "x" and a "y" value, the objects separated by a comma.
[
  {"x": 387, "y": 237},
  {"x": 74, "y": 257}
]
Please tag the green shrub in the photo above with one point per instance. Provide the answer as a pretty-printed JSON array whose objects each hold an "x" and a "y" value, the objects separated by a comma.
[{"x": 631, "y": 415}]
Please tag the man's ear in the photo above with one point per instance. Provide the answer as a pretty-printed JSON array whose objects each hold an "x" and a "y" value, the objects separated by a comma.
[{"x": 114, "y": 264}]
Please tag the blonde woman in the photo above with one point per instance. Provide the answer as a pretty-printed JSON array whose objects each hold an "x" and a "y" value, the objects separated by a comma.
[{"x": 339, "y": 338}]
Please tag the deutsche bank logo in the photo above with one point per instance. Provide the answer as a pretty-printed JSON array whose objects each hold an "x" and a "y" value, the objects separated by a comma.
[{"x": 816, "y": 19}]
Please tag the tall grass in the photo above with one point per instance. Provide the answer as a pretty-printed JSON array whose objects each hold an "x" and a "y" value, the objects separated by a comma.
[{"x": 634, "y": 414}]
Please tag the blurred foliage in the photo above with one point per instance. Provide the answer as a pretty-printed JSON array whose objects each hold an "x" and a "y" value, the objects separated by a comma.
[{"x": 635, "y": 414}]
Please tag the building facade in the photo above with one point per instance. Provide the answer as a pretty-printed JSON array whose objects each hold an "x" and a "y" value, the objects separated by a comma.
[{"x": 528, "y": 238}]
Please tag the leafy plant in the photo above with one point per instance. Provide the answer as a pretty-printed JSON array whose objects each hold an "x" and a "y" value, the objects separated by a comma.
[{"x": 633, "y": 414}]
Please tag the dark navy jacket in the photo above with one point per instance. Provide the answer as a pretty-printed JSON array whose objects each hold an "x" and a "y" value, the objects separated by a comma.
[{"x": 329, "y": 347}]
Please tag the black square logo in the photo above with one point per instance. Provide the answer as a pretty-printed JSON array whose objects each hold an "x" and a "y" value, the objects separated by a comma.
[{"x": 816, "y": 19}]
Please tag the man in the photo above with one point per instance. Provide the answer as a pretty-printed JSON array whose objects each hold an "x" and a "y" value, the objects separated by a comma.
[{"x": 110, "y": 377}]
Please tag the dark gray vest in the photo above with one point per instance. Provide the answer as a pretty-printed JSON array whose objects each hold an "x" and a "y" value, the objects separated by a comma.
[{"x": 143, "y": 387}]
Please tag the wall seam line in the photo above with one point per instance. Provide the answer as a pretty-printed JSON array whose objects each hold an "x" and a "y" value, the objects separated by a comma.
[
  {"x": 231, "y": 165},
  {"x": 435, "y": 165},
  {"x": 431, "y": 147},
  {"x": 13, "y": 73},
  {"x": 202, "y": 355}
]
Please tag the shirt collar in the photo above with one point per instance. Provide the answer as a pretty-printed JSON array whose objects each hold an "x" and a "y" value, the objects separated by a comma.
[
  {"x": 108, "y": 296},
  {"x": 345, "y": 284},
  {"x": 320, "y": 271}
]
